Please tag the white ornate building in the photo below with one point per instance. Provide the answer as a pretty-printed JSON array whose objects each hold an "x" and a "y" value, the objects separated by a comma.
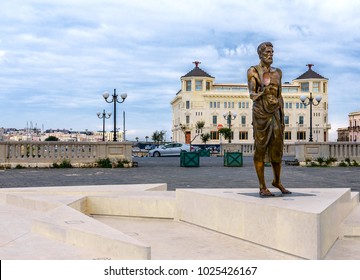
[{"x": 201, "y": 99}]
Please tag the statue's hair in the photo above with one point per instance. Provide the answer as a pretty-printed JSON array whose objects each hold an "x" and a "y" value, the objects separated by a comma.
[{"x": 263, "y": 46}]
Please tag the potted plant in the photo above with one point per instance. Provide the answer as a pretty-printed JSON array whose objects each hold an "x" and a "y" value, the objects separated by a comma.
[
  {"x": 231, "y": 159},
  {"x": 192, "y": 158},
  {"x": 204, "y": 138}
]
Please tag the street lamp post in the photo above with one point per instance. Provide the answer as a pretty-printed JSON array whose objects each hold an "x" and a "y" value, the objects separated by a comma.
[
  {"x": 229, "y": 117},
  {"x": 103, "y": 117},
  {"x": 114, "y": 100},
  {"x": 310, "y": 101}
]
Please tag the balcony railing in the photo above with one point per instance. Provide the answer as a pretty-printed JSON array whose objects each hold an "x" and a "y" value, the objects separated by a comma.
[{"x": 354, "y": 128}]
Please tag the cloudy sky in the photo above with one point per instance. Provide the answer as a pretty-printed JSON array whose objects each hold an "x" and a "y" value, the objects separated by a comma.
[{"x": 57, "y": 57}]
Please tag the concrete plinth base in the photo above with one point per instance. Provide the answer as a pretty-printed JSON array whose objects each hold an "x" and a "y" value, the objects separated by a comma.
[{"x": 305, "y": 224}]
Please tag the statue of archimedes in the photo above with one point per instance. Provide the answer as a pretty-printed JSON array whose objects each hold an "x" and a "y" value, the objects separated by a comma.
[{"x": 264, "y": 84}]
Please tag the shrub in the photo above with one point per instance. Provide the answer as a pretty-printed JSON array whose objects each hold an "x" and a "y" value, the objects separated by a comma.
[
  {"x": 65, "y": 163},
  {"x": 314, "y": 164},
  {"x": 104, "y": 163},
  {"x": 355, "y": 163},
  {"x": 121, "y": 163},
  {"x": 320, "y": 160},
  {"x": 343, "y": 164},
  {"x": 19, "y": 166},
  {"x": 330, "y": 160}
]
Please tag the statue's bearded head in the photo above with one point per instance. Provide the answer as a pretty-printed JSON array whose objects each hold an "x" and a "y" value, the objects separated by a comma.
[{"x": 265, "y": 51}]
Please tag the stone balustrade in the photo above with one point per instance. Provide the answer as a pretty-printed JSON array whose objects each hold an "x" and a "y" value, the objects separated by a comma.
[
  {"x": 307, "y": 150},
  {"x": 248, "y": 148},
  {"x": 44, "y": 154},
  {"x": 338, "y": 150}
]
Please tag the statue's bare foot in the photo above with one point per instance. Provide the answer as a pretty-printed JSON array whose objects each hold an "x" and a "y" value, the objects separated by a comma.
[
  {"x": 264, "y": 192},
  {"x": 281, "y": 188}
]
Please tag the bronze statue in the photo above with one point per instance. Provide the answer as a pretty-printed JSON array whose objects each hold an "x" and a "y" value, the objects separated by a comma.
[{"x": 264, "y": 84}]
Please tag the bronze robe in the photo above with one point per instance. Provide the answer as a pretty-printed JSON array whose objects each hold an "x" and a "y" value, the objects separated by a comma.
[{"x": 268, "y": 114}]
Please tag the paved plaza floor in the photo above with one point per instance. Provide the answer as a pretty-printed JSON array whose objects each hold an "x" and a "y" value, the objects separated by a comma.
[{"x": 210, "y": 174}]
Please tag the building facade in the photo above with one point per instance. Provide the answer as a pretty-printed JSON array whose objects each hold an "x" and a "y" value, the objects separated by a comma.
[
  {"x": 352, "y": 132},
  {"x": 201, "y": 99},
  {"x": 343, "y": 134},
  {"x": 62, "y": 135},
  {"x": 354, "y": 126}
]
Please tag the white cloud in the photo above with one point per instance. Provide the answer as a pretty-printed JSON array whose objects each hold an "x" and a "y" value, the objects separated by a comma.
[{"x": 57, "y": 57}]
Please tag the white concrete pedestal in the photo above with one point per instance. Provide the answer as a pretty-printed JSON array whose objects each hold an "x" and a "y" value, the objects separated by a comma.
[{"x": 305, "y": 223}]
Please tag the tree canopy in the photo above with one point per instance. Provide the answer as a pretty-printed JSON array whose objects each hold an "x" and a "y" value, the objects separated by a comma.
[{"x": 52, "y": 138}]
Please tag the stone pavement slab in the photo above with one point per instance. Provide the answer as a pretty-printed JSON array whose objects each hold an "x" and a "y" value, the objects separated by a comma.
[
  {"x": 18, "y": 242},
  {"x": 174, "y": 240}
]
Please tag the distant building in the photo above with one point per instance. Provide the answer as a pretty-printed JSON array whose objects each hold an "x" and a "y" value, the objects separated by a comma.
[
  {"x": 343, "y": 134},
  {"x": 354, "y": 126},
  {"x": 201, "y": 99},
  {"x": 7, "y": 134},
  {"x": 352, "y": 132}
]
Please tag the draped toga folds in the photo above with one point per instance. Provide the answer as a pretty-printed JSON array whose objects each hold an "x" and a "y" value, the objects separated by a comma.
[{"x": 268, "y": 113}]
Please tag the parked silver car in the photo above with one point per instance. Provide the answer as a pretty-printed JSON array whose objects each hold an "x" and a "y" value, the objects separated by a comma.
[{"x": 172, "y": 149}]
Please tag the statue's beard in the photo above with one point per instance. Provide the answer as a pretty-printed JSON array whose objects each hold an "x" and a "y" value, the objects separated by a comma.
[{"x": 269, "y": 60}]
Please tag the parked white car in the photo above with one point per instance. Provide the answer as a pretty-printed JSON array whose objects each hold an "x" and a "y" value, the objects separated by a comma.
[{"x": 172, "y": 149}]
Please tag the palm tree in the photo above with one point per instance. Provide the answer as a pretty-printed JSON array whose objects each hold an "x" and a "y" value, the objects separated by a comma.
[
  {"x": 226, "y": 132},
  {"x": 158, "y": 136}
]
